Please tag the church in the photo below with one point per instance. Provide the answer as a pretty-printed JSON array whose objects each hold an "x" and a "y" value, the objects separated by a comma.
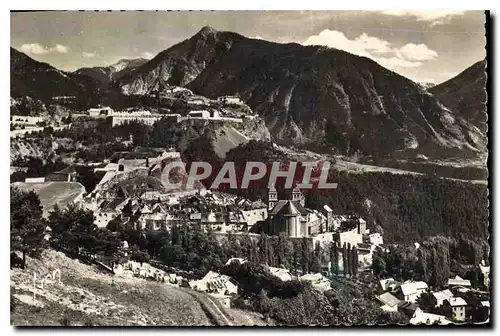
[{"x": 290, "y": 216}]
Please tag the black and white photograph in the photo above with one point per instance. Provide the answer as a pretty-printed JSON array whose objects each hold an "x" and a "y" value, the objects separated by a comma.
[{"x": 255, "y": 168}]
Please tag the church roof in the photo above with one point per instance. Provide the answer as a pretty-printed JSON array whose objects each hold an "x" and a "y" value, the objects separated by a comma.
[{"x": 288, "y": 208}]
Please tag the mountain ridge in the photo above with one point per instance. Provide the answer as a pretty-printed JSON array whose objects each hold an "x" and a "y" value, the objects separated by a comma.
[
  {"x": 106, "y": 74},
  {"x": 312, "y": 95},
  {"x": 466, "y": 94},
  {"x": 42, "y": 81}
]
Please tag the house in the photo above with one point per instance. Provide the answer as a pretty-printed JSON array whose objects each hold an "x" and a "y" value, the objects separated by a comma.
[
  {"x": 108, "y": 210},
  {"x": 420, "y": 317},
  {"x": 281, "y": 273},
  {"x": 411, "y": 290},
  {"x": 34, "y": 180},
  {"x": 199, "y": 114},
  {"x": 317, "y": 280},
  {"x": 240, "y": 260},
  {"x": 196, "y": 101},
  {"x": 442, "y": 296},
  {"x": 458, "y": 281},
  {"x": 376, "y": 239},
  {"x": 99, "y": 111},
  {"x": 230, "y": 100},
  {"x": 68, "y": 174},
  {"x": 486, "y": 275},
  {"x": 48, "y": 233},
  {"x": 458, "y": 306},
  {"x": 388, "y": 284},
  {"x": 389, "y": 302},
  {"x": 214, "y": 282}
]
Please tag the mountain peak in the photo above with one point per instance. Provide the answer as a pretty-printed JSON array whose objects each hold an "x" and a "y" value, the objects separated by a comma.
[{"x": 207, "y": 30}]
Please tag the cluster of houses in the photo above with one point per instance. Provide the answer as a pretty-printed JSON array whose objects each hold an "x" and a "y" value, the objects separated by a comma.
[{"x": 403, "y": 297}]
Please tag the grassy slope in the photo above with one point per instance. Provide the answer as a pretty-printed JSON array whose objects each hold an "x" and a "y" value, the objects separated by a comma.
[{"x": 87, "y": 296}]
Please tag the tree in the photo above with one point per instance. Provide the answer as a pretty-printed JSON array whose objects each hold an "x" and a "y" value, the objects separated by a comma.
[
  {"x": 354, "y": 263},
  {"x": 348, "y": 254},
  {"x": 234, "y": 249},
  {"x": 427, "y": 302},
  {"x": 27, "y": 228},
  {"x": 264, "y": 249},
  {"x": 378, "y": 263},
  {"x": 344, "y": 259},
  {"x": 140, "y": 256},
  {"x": 306, "y": 256},
  {"x": 282, "y": 250},
  {"x": 316, "y": 259},
  {"x": 334, "y": 258}
]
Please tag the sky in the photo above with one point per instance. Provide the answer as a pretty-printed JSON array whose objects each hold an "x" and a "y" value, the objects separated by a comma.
[{"x": 423, "y": 46}]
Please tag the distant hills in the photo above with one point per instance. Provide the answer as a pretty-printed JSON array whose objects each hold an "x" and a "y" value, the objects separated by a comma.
[
  {"x": 465, "y": 94},
  {"x": 106, "y": 74},
  {"x": 42, "y": 81},
  {"x": 316, "y": 97}
]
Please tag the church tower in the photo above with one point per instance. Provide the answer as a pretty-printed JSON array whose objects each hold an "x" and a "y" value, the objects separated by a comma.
[
  {"x": 273, "y": 198},
  {"x": 298, "y": 196}
]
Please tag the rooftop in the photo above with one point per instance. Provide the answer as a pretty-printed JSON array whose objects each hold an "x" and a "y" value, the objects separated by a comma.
[
  {"x": 413, "y": 287},
  {"x": 457, "y": 301},
  {"x": 291, "y": 208},
  {"x": 388, "y": 299},
  {"x": 443, "y": 295}
]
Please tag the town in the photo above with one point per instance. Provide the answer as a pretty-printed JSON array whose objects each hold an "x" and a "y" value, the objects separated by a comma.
[
  {"x": 184, "y": 168},
  {"x": 350, "y": 246}
]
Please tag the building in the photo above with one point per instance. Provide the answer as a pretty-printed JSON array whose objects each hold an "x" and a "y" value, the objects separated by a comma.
[
  {"x": 26, "y": 120},
  {"x": 196, "y": 101},
  {"x": 458, "y": 281},
  {"x": 388, "y": 302},
  {"x": 420, "y": 317},
  {"x": 291, "y": 217},
  {"x": 100, "y": 111},
  {"x": 411, "y": 290},
  {"x": 215, "y": 283},
  {"x": 486, "y": 275},
  {"x": 63, "y": 99},
  {"x": 285, "y": 217},
  {"x": 141, "y": 116},
  {"x": 230, "y": 100},
  {"x": 328, "y": 212},
  {"x": 442, "y": 296},
  {"x": 376, "y": 239},
  {"x": 199, "y": 114},
  {"x": 389, "y": 284},
  {"x": 68, "y": 174},
  {"x": 458, "y": 306},
  {"x": 282, "y": 273},
  {"x": 273, "y": 198},
  {"x": 173, "y": 117},
  {"x": 108, "y": 210},
  {"x": 240, "y": 260}
]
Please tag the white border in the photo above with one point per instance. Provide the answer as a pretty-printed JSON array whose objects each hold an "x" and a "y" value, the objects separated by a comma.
[{"x": 206, "y": 5}]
